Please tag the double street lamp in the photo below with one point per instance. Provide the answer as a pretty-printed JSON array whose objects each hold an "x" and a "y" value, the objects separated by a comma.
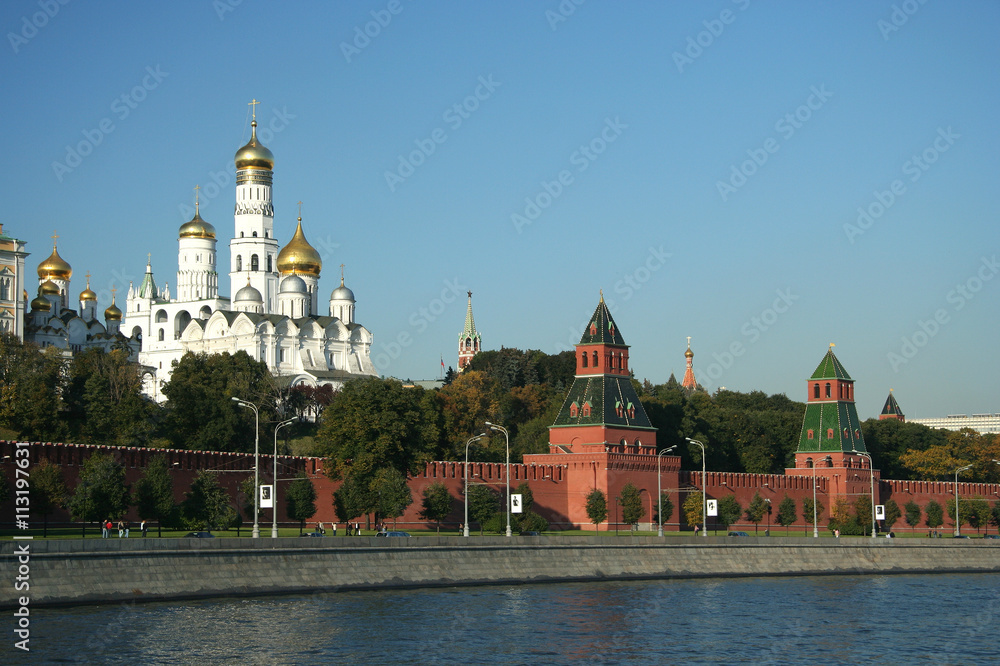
[
  {"x": 465, "y": 525},
  {"x": 256, "y": 461},
  {"x": 506, "y": 437},
  {"x": 659, "y": 491},
  {"x": 704, "y": 500},
  {"x": 274, "y": 492},
  {"x": 871, "y": 477}
]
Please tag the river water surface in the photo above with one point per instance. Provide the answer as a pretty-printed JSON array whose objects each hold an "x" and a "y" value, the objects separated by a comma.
[{"x": 901, "y": 619}]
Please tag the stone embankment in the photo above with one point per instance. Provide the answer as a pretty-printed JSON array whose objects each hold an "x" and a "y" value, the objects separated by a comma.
[{"x": 70, "y": 572}]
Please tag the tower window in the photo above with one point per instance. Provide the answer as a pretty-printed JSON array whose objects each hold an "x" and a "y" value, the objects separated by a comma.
[
  {"x": 254, "y": 262},
  {"x": 160, "y": 335},
  {"x": 573, "y": 410},
  {"x": 809, "y": 434},
  {"x": 595, "y": 359},
  {"x": 269, "y": 263},
  {"x": 816, "y": 390},
  {"x": 239, "y": 262},
  {"x": 829, "y": 433},
  {"x": 584, "y": 359},
  {"x": 828, "y": 389},
  {"x": 586, "y": 408},
  {"x": 255, "y": 234}
]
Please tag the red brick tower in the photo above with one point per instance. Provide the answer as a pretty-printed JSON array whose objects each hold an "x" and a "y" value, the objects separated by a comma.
[
  {"x": 891, "y": 409},
  {"x": 689, "y": 383}
]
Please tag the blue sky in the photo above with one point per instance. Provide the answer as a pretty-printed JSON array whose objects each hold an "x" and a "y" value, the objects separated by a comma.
[{"x": 702, "y": 163}]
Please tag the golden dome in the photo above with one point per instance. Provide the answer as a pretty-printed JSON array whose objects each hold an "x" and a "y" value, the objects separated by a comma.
[
  {"x": 41, "y": 304},
  {"x": 87, "y": 294},
  {"x": 254, "y": 155},
  {"x": 299, "y": 256},
  {"x": 48, "y": 287},
  {"x": 55, "y": 267},
  {"x": 197, "y": 227},
  {"x": 689, "y": 353},
  {"x": 113, "y": 313}
]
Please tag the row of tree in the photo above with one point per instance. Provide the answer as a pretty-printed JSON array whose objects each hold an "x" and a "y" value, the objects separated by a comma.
[{"x": 101, "y": 494}]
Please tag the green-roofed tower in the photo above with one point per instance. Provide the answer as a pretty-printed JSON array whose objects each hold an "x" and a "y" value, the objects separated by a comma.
[
  {"x": 831, "y": 421},
  {"x": 602, "y": 411},
  {"x": 891, "y": 410},
  {"x": 469, "y": 341},
  {"x": 831, "y": 444}
]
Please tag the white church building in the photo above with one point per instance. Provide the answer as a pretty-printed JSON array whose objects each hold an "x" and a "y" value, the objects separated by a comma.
[{"x": 274, "y": 315}]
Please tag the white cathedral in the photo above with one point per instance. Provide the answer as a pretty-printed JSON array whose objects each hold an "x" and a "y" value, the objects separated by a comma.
[{"x": 274, "y": 313}]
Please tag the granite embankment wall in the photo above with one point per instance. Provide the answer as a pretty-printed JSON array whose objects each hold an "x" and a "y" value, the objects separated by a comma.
[{"x": 116, "y": 571}]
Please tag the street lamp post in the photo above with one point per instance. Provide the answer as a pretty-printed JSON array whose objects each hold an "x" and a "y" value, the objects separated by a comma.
[
  {"x": 659, "y": 491},
  {"x": 871, "y": 477},
  {"x": 506, "y": 438},
  {"x": 465, "y": 525},
  {"x": 958, "y": 529},
  {"x": 256, "y": 462},
  {"x": 274, "y": 493},
  {"x": 704, "y": 500},
  {"x": 815, "y": 528},
  {"x": 768, "y": 500}
]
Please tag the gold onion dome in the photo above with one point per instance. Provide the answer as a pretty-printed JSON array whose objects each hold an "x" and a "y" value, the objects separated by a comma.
[
  {"x": 254, "y": 155},
  {"x": 41, "y": 304},
  {"x": 299, "y": 256},
  {"x": 113, "y": 313},
  {"x": 689, "y": 353},
  {"x": 55, "y": 267},
  {"x": 197, "y": 227},
  {"x": 88, "y": 295},
  {"x": 48, "y": 288}
]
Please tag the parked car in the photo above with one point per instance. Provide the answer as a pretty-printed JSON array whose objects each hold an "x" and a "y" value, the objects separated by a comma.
[
  {"x": 991, "y": 536},
  {"x": 961, "y": 536},
  {"x": 314, "y": 534},
  {"x": 393, "y": 534},
  {"x": 739, "y": 534},
  {"x": 199, "y": 535}
]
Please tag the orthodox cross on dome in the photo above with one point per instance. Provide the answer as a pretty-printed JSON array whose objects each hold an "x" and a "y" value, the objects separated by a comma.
[
  {"x": 196, "y": 188},
  {"x": 88, "y": 285},
  {"x": 342, "y": 274},
  {"x": 253, "y": 105},
  {"x": 689, "y": 342},
  {"x": 300, "y": 210},
  {"x": 55, "y": 236}
]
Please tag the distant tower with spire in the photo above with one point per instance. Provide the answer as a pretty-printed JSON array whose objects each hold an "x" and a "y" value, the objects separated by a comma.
[
  {"x": 891, "y": 409},
  {"x": 469, "y": 342},
  {"x": 689, "y": 383}
]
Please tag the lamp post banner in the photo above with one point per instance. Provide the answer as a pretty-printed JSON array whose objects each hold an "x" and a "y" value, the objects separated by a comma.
[
  {"x": 515, "y": 504},
  {"x": 266, "y": 497},
  {"x": 712, "y": 508}
]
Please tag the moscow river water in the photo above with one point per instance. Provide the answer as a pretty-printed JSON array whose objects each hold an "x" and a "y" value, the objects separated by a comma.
[{"x": 939, "y": 619}]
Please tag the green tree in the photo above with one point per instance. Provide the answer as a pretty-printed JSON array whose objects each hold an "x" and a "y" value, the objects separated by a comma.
[
  {"x": 808, "y": 514},
  {"x": 47, "y": 491},
  {"x": 668, "y": 508},
  {"x": 631, "y": 502},
  {"x": 300, "y": 500},
  {"x": 935, "y": 514},
  {"x": 755, "y": 510},
  {"x": 841, "y": 517},
  {"x": 393, "y": 493},
  {"x": 31, "y": 384},
  {"x": 105, "y": 402},
  {"x": 995, "y": 515},
  {"x": 963, "y": 515},
  {"x": 786, "y": 512},
  {"x": 484, "y": 504},
  {"x": 978, "y": 511},
  {"x": 729, "y": 511},
  {"x": 436, "y": 504},
  {"x": 154, "y": 493},
  {"x": 862, "y": 515},
  {"x": 913, "y": 513},
  {"x": 892, "y": 514},
  {"x": 101, "y": 492},
  {"x": 206, "y": 505},
  {"x": 693, "y": 508},
  {"x": 200, "y": 413},
  {"x": 350, "y": 500},
  {"x": 597, "y": 507}
]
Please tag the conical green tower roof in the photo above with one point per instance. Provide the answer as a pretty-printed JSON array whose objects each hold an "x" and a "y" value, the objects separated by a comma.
[
  {"x": 831, "y": 424},
  {"x": 602, "y": 328},
  {"x": 830, "y": 368}
]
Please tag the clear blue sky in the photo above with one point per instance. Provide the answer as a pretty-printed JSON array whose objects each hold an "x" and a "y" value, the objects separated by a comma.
[{"x": 620, "y": 102}]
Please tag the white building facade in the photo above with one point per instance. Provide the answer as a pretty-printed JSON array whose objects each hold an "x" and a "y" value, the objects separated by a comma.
[{"x": 273, "y": 315}]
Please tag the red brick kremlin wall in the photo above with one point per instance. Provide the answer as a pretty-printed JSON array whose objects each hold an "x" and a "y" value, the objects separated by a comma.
[{"x": 559, "y": 483}]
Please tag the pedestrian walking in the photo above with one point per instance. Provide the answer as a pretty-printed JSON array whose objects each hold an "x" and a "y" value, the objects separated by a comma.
[
  {"x": 142, "y": 526},
  {"x": 121, "y": 529}
]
